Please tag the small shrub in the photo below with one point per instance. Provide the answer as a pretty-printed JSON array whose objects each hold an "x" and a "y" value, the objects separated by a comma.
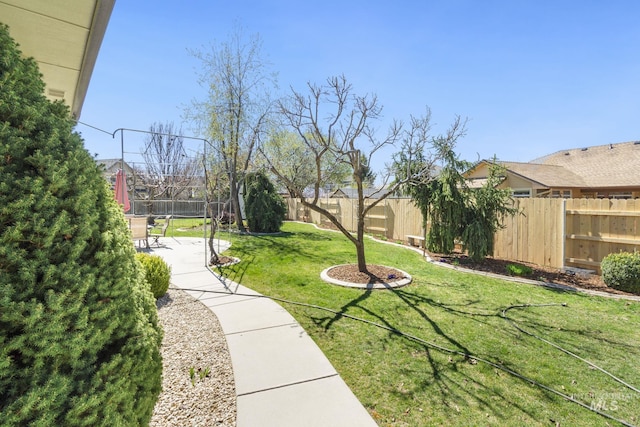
[
  {"x": 622, "y": 271},
  {"x": 519, "y": 270},
  {"x": 157, "y": 273}
]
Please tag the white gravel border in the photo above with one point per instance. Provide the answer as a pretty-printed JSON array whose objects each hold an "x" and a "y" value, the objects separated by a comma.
[{"x": 194, "y": 339}]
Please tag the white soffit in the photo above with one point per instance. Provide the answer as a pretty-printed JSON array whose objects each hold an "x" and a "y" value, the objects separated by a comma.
[{"x": 64, "y": 37}]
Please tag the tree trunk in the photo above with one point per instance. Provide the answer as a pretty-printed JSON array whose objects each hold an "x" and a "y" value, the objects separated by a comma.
[
  {"x": 235, "y": 203},
  {"x": 213, "y": 259},
  {"x": 362, "y": 263}
]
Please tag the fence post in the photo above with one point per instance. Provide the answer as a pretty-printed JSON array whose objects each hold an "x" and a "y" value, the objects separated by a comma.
[{"x": 564, "y": 233}]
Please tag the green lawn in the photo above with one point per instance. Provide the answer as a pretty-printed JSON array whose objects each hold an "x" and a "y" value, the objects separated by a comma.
[{"x": 404, "y": 382}]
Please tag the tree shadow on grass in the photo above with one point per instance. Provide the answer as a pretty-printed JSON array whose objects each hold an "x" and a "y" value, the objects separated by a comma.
[
  {"x": 282, "y": 246},
  {"x": 442, "y": 377},
  {"x": 547, "y": 330}
]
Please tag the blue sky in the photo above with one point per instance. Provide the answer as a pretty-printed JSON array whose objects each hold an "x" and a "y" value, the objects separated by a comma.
[{"x": 532, "y": 77}]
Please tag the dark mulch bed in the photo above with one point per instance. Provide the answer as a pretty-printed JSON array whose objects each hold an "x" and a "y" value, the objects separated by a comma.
[
  {"x": 377, "y": 274},
  {"x": 540, "y": 273}
]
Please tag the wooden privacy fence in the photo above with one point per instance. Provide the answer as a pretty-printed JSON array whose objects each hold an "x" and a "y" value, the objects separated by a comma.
[
  {"x": 392, "y": 218},
  {"x": 598, "y": 227},
  {"x": 550, "y": 232}
]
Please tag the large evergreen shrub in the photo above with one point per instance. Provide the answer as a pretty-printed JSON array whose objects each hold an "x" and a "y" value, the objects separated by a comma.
[
  {"x": 264, "y": 207},
  {"x": 79, "y": 338}
]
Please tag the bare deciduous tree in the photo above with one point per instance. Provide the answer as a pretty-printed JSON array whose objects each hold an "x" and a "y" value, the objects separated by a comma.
[
  {"x": 169, "y": 171},
  {"x": 334, "y": 126}
]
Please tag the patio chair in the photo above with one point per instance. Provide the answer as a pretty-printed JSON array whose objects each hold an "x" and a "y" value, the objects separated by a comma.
[{"x": 156, "y": 236}]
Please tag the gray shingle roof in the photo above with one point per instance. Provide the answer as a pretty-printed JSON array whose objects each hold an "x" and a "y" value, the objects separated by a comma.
[
  {"x": 610, "y": 165},
  {"x": 546, "y": 175}
]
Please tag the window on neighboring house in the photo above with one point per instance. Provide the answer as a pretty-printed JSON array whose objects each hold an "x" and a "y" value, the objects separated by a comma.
[
  {"x": 521, "y": 192},
  {"x": 619, "y": 195}
]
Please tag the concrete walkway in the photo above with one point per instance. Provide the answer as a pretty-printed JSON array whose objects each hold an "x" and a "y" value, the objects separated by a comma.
[{"x": 282, "y": 378}]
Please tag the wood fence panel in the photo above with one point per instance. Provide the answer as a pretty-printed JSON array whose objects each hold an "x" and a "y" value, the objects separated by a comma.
[
  {"x": 405, "y": 219},
  {"x": 534, "y": 234},
  {"x": 376, "y": 219},
  {"x": 525, "y": 230},
  {"x": 349, "y": 214},
  {"x": 556, "y": 235},
  {"x": 395, "y": 221},
  {"x": 598, "y": 227},
  {"x": 504, "y": 243},
  {"x": 549, "y": 232}
]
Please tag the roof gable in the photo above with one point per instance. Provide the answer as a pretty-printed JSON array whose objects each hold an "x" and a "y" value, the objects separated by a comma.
[{"x": 538, "y": 174}]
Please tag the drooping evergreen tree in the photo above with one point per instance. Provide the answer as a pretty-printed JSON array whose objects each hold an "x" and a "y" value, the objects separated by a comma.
[
  {"x": 264, "y": 207},
  {"x": 457, "y": 213},
  {"x": 447, "y": 200},
  {"x": 487, "y": 207},
  {"x": 79, "y": 338}
]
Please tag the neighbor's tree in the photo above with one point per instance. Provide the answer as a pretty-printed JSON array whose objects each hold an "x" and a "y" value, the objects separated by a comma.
[
  {"x": 169, "y": 170},
  {"x": 265, "y": 207},
  {"x": 290, "y": 154},
  {"x": 235, "y": 113},
  {"x": 334, "y": 127},
  {"x": 368, "y": 176},
  {"x": 79, "y": 337}
]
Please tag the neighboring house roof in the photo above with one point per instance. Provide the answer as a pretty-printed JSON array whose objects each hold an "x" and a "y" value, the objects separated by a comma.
[
  {"x": 610, "y": 165},
  {"x": 603, "y": 166},
  {"x": 64, "y": 37},
  {"x": 112, "y": 165},
  {"x": 545, "y": 175}
]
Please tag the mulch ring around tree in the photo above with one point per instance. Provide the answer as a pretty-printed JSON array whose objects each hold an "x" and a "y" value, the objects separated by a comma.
[
  {"x": 224, "y": 261},
  {"x": 378, "y": 277}
]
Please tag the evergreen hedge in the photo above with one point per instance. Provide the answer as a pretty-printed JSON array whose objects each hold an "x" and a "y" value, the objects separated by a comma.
[{"x": 79, "y": 335}]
